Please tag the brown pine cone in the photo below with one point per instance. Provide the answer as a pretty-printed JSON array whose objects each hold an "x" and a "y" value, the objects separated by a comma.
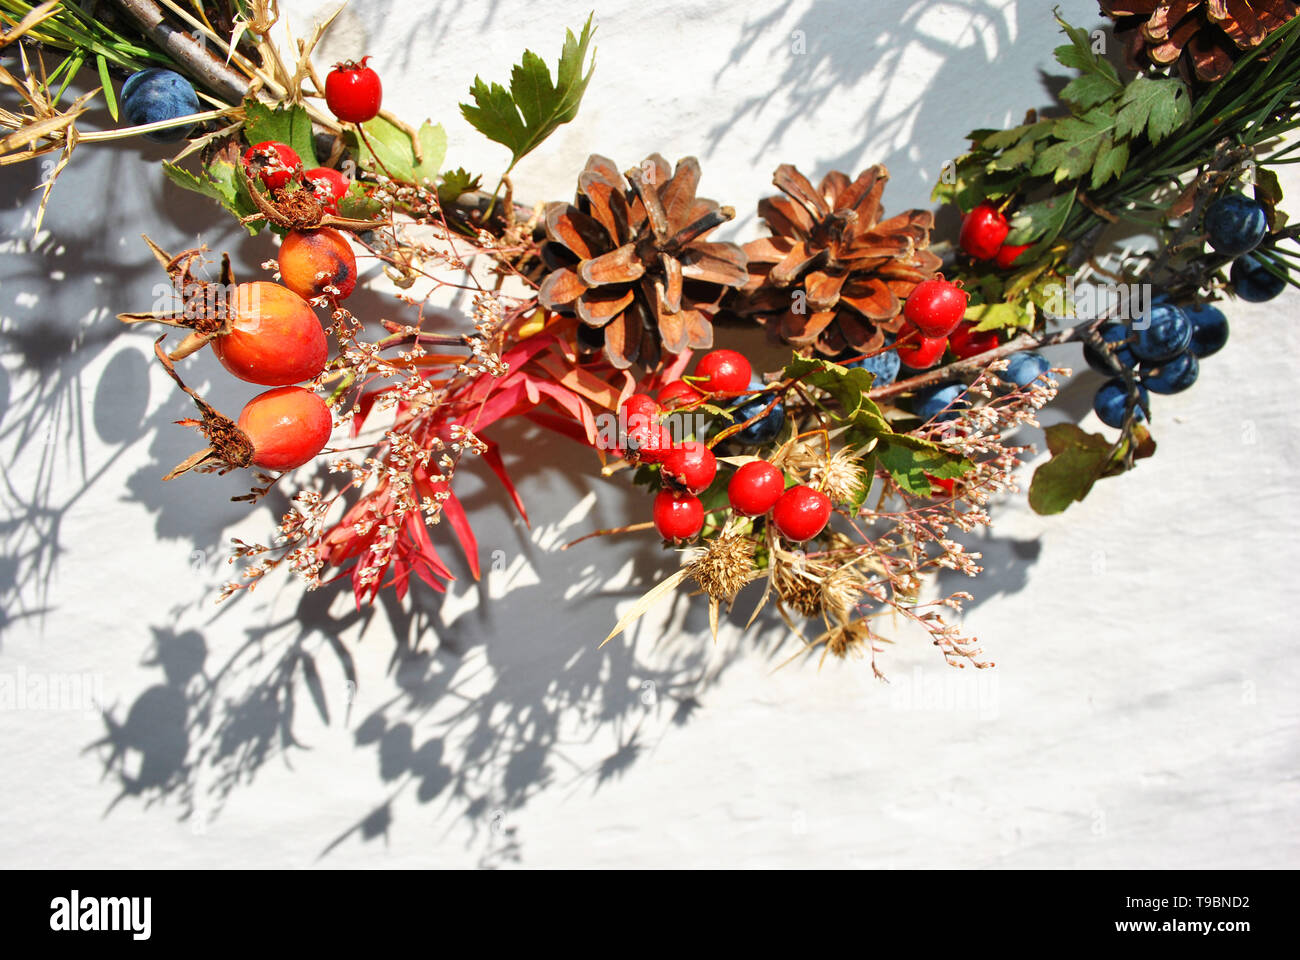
[
  {"x": 833, "y": 274},
  {"x": 1202, "y": 37},
  {"x": 628, "y": 257}
]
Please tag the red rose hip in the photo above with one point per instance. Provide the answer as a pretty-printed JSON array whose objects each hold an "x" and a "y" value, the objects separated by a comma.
[
  {"x": 287, "y": 427},
  {"x": 723, "y": 371},
  {"x": 275, "y": 338},
  {"x": 801, "y": 513},
  {"x": 678, "y": 393},
  {"x": 982, "y": 231},
  {"x": 755, "y": 488},
  {"x": 678, "y": 516},
  {"x": 275, "y": 163},
  {"x": 328, "y": 185},
  {"x": 936, "y": 306},
  {"x": 690, "y": 467}
]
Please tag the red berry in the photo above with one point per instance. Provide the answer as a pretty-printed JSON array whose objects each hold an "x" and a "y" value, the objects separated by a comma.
[
  {"x": 936, "y": 306},
  {"x": 1007, "y": 254},
  {"x": 801, "y": 513},
  {"x": 640, "y": 404},
  {"x": 275, "y": 338},
  {"x": 353, "y": 92},
  {"x": 288, "y": 426},
  {"x": 275, "y": 163},
  {"x": 966, "y": 343},
  {"x": 944, "y": 484},
  {"x": 312, "y": 260},
  {"x": 919, "y": 351},
  {"x": 982, "y": 232},
  {"x": 723, "y": 371},
  {"x": 328, "y": 185},
  {"x": 690, "y": 467},
  {"x": 678, "y": 393},
  {"x": 677, "y": 516},
  {"x": 648, "y": 441},
  {"x": 755, "y": 488}
]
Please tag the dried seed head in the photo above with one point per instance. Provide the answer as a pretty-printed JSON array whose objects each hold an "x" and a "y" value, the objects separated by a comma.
[
  {"x": 847, "y": 639},
  {"x": 840, "y": 592},
  {"x": 840, "y": 476},
  {"x": 724, "y": 567},
  {"x": 797, "y": 590}
]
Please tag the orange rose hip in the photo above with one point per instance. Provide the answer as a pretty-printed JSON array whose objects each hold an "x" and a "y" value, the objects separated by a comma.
[
  {"x": 275, "y": 338},
  {"x": 287, "y": 427},
  {"x": 311, "y": 260}
]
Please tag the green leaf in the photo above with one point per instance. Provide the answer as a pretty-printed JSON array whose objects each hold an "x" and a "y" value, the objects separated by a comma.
[
  {"x": 106, "y": 82},
  {"x": 1078, "y": 460},
  {"x": 1112, "y": 158},
  {"x": 1040, "y": 221},
  {"x": 1081, "y": 138},
  {"x": 997, "y": 316},
  {"x": 357, "y": 205},
  {"x": 455, "y": 182},
  {"x": 287, "y": 125},
  {"x": 1090, "y": 89},
  {"x": 1159, "y": 104},
  {"x": 1001, "y": 139},
  {"x": 393, "y": 154},
  {"x": 909, "y": 466},
  {"x": 218, "y": 182},
  {"x": 1268, "y": 193},
  {"x": 534, "y": 106}
]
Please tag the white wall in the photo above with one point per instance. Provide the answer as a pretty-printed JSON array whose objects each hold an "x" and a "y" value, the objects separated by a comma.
[{"x": 1143, "y": 710}]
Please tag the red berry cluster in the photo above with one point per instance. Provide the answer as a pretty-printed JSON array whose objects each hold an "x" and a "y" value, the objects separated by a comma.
[
  {"x": 278, "y": 165},
  {"x": 983, "y": 234}
]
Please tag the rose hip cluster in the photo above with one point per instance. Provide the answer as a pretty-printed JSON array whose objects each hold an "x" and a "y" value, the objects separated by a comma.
[{"x": 687, "y": 469}]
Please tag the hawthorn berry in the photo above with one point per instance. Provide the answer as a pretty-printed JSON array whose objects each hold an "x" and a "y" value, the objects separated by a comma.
[
  {"x": 723, "y": 371},
  {"x": 918, "y": 351},
  {"x": 966, "y": 342},
  {"x": 755, "y": 488},
  {"x": 311, "y": 260},
  {"x": 1235, "y": 224},
  {"x": 801, "y": 513},
  {"x": 677, "y": 516},
  {"x": 328, "y": 185},
  {"x": 936, "y": 306},
  {"x": 287, "y": 427},
  {"x": 275, "y": 338},
  {"x": 275, "y": 163},
  {"x": 1253, "y": 282},
  {"x": 1209, "y": 329},
  {"x": 677, "y": 393},
  {"x": 982, "y": 231},
  {"x": 946, "y": 484},
  {"x": 1007, "y": 253},
  {"x": 1111, "y": 402},
  {"x": 353, "y": 91},
  {"x": 690, "y": 467}
]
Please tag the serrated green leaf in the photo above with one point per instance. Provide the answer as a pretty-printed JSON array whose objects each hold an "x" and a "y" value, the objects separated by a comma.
[
  {"x": 1111, "y": 160},
  {"x": 1089, "y": 89},
  {"x": 386, "y": 149},
  {"x": 287, "y": 125},
  {"x": 1080, "y": 139},
  {"x": 1042, "y": 220},
  {"x": 1078, "y": 460},
  {"x": 455, "y": 182},
  {"x": 1160, "y": 105},
  {"x": 1021, "y": 155},
  {"x": 997, "y": 316},
  {"x": 1001, "y": 139},
  {"x": 534, "y": 106},
  {"x": 219, "y": 182},
  {"x": 909, "y": 465},
  {"x": 357, "y": 205}
]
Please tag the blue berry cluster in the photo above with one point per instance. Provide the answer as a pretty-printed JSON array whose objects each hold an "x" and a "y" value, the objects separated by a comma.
[
  {"x": 1165, "y": 352},
  {"x": 760, "y": 431},
  {"x": 1234, "y": 226}
]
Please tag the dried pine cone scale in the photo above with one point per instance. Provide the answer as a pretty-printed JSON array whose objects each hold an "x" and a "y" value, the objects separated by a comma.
[
  {"x": 852, "y": 268},
  {"x": 1202, "y": 38},
  {"x": 629, "y": 258}
]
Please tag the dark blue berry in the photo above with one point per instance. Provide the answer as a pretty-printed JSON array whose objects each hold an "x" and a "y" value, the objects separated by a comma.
[
  {"x": 1209, "y": 329},
  {"x": 931, "y": 403},
  {"x": 1024, "y": 368},
  {"x": 1163, "y": 333},
  {"x": 1111, "y": 402},
  {"x": 760, "y": 431},
  {"x": 1235, "y": 224},
  {"x": 1172, "y": 376},
  {"x": 1117, "y": 334},
  {"x": 1253, "y": 282},
  {"x": 157, "y": 94},
  {"x": 885, "y": 366}
]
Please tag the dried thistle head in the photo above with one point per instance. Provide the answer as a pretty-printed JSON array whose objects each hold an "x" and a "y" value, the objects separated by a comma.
[
  {"x": 724, "y": 567},
  {"x": 840, "y": 476},
  {"x": 798, "y": 581},
  {"x": 840, "y": 591},
  {"x": 845, "y": 639}
]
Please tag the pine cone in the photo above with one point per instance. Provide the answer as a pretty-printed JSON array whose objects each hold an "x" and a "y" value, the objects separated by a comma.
[
  {"x": 1203, "y": 37},
  {"x": 629, "y": 258},
  {"x": 853, "y": 269}
]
